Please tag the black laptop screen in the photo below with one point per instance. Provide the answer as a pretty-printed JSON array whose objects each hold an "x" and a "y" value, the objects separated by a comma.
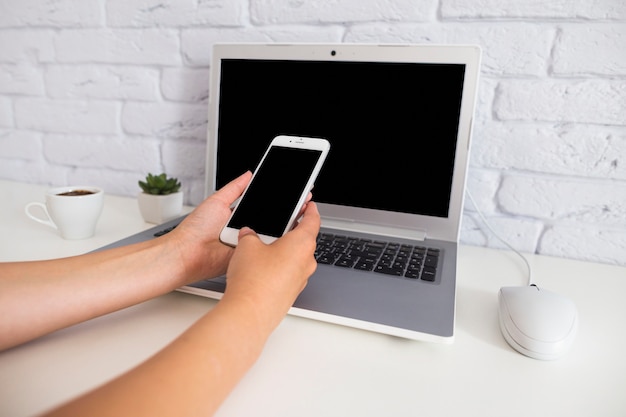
[{"x": 392, "y": 127}]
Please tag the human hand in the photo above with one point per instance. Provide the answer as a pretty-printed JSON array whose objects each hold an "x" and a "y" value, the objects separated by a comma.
[
  {"x": 268, "y": 278},
  {"x": 197, "y": 237}
]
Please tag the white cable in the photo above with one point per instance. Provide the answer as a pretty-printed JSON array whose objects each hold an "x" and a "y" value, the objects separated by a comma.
[{"x": 482, "y": 217}]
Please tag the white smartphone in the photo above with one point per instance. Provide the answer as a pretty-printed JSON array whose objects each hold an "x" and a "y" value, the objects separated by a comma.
[{"x": 278, "y": 189}]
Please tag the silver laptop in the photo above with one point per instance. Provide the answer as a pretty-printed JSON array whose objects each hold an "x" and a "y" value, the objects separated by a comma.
[{"x": 399, "y": 120}]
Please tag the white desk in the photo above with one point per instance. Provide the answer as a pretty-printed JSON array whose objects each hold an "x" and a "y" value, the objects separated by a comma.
[{"x": 316, "y": 369}]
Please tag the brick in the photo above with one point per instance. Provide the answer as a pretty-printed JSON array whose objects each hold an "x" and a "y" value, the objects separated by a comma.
[
  {"x": 20, "y": 145},
  {"x": 166, "y": 120},
  {"x": 598, "y": 101},
  {"x": 265, "y": 12},
  {"x": 113, "y": 153},
  {"x": 6, "y": 112},
  {"x": 105, "y": 82},
  {"x": 482, "y": 185},
  {"x": 27, "y": 45},
  {"x": 34, "y": 172},
  {"x": 176, "y": 13},
  {"x": 185, "y": 84},
  {"x": 600, "y": 9},
  {"x": 570, "y": 149},
  {"x": 64, "y": 116},
  {"x": 577, "y": 43},
  {"x": 184, "y": 158},
  {"x": 565, "y": 201},
  {"x": 23, "y": 79},
  {"x": 522, "y": 235},
  {"x": 587, "y": 242},
  {"x": 58, "y": 13},
  {"x": 507, "y": 48},
  {"x": 483, "y": 111},
  {"x": 194, "y": 190},
  {"x": 121, "y": 46}
]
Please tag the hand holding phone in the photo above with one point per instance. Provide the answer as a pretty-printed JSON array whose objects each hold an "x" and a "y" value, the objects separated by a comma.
[{"x": 278, "y": 189}]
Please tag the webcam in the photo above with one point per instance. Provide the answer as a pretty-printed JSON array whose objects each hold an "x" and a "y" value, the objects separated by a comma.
[{"x": 333, "y": 52}]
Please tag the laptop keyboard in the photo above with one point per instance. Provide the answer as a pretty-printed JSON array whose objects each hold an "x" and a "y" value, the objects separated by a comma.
[{"x": 415, "y": 262}]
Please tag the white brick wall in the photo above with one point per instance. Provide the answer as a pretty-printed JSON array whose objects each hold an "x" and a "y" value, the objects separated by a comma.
[{"x": 105, "y": 91}]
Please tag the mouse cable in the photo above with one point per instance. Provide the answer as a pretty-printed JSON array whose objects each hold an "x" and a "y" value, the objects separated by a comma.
[{"x": 508, "y": 245}]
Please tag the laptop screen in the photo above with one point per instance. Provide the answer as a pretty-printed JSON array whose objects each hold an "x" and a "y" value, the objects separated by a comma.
[
  {"x": 398, "y": 119},
  {"x": 392, "y": 126}
]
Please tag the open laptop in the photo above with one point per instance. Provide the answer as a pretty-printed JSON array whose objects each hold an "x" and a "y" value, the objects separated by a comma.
[{"x": 399, "y": 121}]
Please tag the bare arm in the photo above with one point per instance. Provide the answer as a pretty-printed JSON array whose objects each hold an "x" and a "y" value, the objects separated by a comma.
[
  {"x": 194, "y": 374},
  {"x": 42, "y": 296}
]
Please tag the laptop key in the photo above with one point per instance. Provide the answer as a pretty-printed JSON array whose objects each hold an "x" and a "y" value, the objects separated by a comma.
[
  {"x": 364, "y": 266},
  {"x": 346, "y": 261},
  {"x": 389, "y": 270},
  {"x": 428, "y": 274},
  {"x": 431, "y": 261},
  {"x": 411, "y": 273},
  {"x": 375, "y": 245},
  {"x": 363, "y": 254},
  {"x": 324, "y": 259}
]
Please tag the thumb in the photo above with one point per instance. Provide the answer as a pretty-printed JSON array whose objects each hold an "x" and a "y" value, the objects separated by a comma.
[{"x": 245, "y": 231}]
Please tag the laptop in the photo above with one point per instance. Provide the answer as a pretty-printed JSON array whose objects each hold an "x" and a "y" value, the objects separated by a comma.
[{"x": 399, "y": 120}]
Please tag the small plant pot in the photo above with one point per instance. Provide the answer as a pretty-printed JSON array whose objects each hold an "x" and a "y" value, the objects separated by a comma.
[{"x": 158, "y": 209}]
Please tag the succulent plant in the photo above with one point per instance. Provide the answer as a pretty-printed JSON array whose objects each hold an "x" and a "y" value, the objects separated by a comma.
[{"x": 159, "y": 185}]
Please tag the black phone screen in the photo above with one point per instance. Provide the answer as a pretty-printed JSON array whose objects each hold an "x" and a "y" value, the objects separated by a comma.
[{"x": 275, "y": 190}]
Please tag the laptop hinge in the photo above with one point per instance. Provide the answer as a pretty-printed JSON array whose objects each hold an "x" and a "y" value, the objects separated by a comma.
[{"x": 390, "y": 231}]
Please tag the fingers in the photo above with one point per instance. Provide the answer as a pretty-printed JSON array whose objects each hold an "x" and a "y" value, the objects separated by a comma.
[
  {"x": 231, "y": 191},
  {"x": 245, "y": 231},
  {"x": 306, "y": 201},
  {"x": 310, "y": 222}
]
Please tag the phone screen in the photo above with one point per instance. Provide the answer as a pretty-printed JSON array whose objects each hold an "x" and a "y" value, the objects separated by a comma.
[{"x": 275, "y": 190}]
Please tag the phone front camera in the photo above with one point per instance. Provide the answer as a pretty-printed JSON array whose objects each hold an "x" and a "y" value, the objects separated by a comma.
[{"x": 333, "y": 52}]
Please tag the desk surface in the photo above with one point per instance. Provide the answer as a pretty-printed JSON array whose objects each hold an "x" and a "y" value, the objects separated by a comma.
[{"x": 309, "y": 368}]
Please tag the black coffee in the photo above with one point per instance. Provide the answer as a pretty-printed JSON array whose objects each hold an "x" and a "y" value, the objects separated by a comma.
[{"x": 77, "y": 192}]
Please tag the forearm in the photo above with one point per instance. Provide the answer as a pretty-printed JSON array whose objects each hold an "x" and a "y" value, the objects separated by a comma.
[
  {"x": 42, "y": 296},
  {"x": 195, "y": 373},
  {"x": 192, "y": 376}
]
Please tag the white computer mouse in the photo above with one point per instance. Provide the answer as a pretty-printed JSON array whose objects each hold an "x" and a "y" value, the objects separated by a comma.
[{"x": 536, "y": 322}]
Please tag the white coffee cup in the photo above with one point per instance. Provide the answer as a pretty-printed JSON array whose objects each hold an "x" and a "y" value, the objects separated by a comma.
[{"x": 74, "y": 211}]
